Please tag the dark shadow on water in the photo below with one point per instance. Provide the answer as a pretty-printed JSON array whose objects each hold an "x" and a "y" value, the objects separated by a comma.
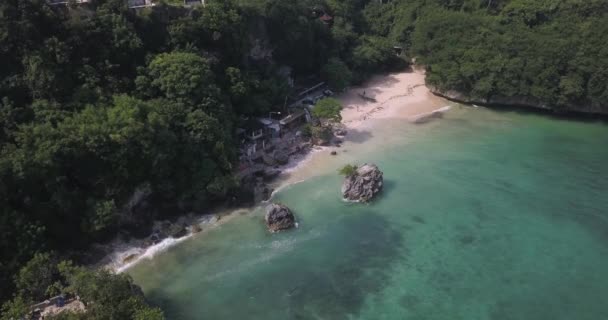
[
  {"x": 358, "y": 136},
  {"x": 158, "y": 299},
  {"x": 359, "y": 269},
  {"x": 389, "y": 186},
  {"x": 419, "y": 219},
  {"x": 557, "y": 115},
  {"x": 364, "y": 246}
]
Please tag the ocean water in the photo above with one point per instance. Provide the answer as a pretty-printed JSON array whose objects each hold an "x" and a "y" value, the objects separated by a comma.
[{"x": 485, "y": 215}]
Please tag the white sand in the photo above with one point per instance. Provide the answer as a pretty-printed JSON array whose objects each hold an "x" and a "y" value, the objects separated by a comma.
[{"x": 398, "y": 95}]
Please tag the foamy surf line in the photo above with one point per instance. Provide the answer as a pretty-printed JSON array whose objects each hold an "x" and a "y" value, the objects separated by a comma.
[
  {"x": 300, "y": 162},
  {"x": 148, "y": 253},
  {"x": 443, "y": 109},
  {"x": 281, "y": 188},
  {"x": 126, "y": 257},
  {"x": 290, "y": 168}
]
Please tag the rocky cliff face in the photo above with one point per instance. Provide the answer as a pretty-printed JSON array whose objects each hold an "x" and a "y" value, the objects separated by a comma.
[
  {"x": 518, "y": 101},
  {"x": 364, "y": 184},
  {"x": 279, "y": 217}
]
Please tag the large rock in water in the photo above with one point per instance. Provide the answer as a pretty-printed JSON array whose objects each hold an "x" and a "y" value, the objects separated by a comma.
[
  {"x": 279, "y": 217},
  {"x": 364, "y": 184}
]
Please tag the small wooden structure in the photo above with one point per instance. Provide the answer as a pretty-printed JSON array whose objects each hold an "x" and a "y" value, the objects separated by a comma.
[
  {"x": 65, "y": 2},
  {"x": 309, "y": 90},
  {"x": 293, "y": 120},
  {"x": 326, "y": 19},
  {"x": 135, "y": 4},
  {"x": 56, "y": 305},
  {"x": 194, "y": 2}
]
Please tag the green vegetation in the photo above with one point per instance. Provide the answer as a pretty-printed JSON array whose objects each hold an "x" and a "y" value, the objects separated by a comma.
[
  {"x": 104, "y": 295},
  {"x": 552, "y": 52},
  {"x": 348, "y": 170},
  {"x": 111, "y": 118},
  {"x": 101, "y": 106},
  {"x": 321, "y": 135},
  {"x": 328, "y": 109},
  {"x": 337, "y": 74}
]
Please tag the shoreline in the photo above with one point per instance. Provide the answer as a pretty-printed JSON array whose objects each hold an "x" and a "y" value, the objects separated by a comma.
[
  {"x": 401, "y": 95},
  {"x": 398, "y": 95},
  {"x": 566, "y": 114}
]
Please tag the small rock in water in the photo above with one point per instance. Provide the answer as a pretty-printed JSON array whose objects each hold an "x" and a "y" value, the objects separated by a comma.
[
  {"x": 333, "y": 153},
  {"x": 195, "y": 228},
  {"x": 177, "y": 231},
  {"x": 364, "y": 184},
  {"x": 130, "y": 258},
  {"x": 279, "y": 217}
]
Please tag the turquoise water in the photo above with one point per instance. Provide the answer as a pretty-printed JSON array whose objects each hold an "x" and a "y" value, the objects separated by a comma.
[{"x": 485, "y": 215}]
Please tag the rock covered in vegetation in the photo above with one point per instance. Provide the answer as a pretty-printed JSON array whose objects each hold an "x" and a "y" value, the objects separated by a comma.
[
  {"x": 363, "y": 184},
  {"x": 279, "y": 217}
]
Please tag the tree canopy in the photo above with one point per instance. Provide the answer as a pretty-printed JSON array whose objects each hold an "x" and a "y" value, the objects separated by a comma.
[
  {"x": 337, "y": 74},
  {"x": 104, "y": 295},
  {"x": 100, "y": 104},
  {"x": 328, "y": 109}
]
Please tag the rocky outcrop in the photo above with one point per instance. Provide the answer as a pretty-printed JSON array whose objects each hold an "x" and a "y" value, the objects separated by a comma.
[
  {"x": 281, "y": 157},
  {"x": 279, "y": 217},
  {"x": 518, "y": 101},
  {"x": 177, "y": 231},
  {"x": 363, "y": 184},
  {"x": 261, "y": 192},
  {"x": 137, "y": 211}
]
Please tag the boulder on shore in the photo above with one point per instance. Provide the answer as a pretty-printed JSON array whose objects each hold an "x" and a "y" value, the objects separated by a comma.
[
  {"x": 279, "y": 217},
  {"x": 177, "y": 231},
  {"x": 363, "y": 184}
]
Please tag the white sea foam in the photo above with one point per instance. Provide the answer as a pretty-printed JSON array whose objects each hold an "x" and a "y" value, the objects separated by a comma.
[
  {"x": 127, "y": 255},
  {"x": 147, "y": 253},
  {"x": 443, "y": 109},
  {"x": 301, "y": 161}
]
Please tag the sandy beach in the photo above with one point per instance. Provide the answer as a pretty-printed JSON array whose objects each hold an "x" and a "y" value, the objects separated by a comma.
[
  {"x": 397, "y": 95},
  {"x": 401, "y": 95}
]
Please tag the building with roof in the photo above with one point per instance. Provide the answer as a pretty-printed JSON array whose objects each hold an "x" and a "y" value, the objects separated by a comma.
[
  {"x": 135, "y": 4},
  {"x": 326, "y": 19},
  {"x": 194, "y": 2},
  {"x": 65, "y": 2},
  {"x": 295, "y": 119}
]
